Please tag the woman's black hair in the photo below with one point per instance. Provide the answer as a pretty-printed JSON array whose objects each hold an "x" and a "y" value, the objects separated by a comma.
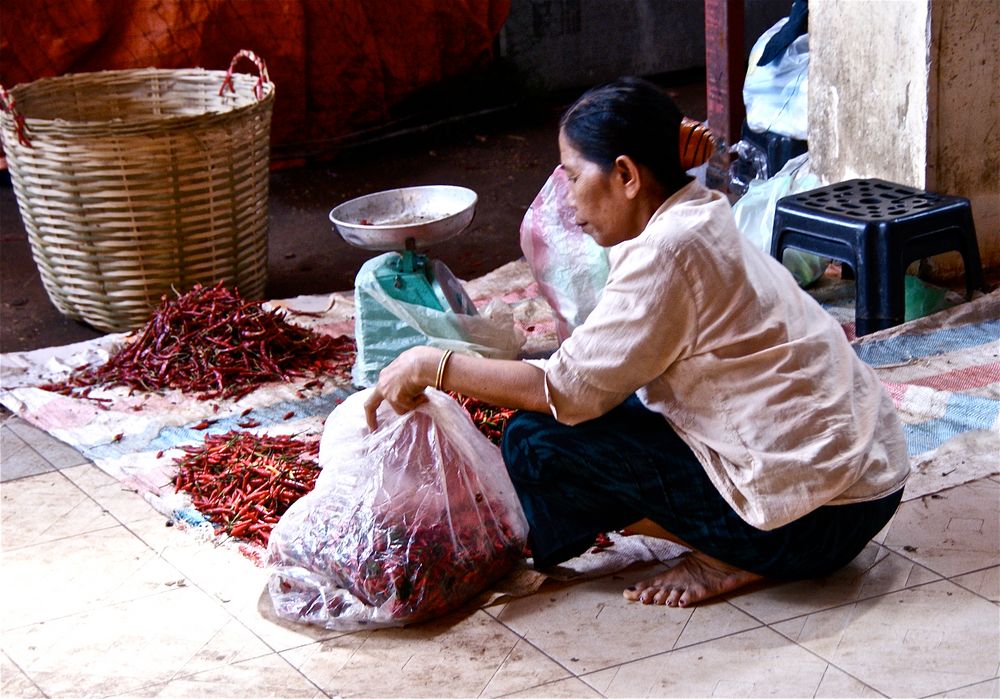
[{"x": 632, "y": 117}]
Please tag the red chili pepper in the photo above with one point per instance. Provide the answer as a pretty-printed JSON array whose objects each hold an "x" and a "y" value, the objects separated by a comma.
[
  {"x": 489, "y": 419},
  {"x": 212, "y": 343},
  {"x": 418, "y": 570},
  {"x": 242, "y": 483}
]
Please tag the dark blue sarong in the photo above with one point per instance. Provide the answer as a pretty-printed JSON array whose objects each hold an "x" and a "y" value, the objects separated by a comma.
[{"x": 629, "y": 464}]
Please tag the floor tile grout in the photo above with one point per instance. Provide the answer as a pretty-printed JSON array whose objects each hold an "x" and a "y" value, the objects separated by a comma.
[
  {"x": 23, "y": 672},
  {"x": 90, "y": 497},
  {"x": 31, "y": 444},
  {"x": 829, "y": 664},
  {"x": 942, "y": 576},
  {"x": 954, "y": 581},
  {"x": 533, "y": 645},
  {"x": 21, "y": 445},
  {"x": 852, "y": 602},
  {"x": 964, "y": 686},
  {"x": 505, "y": 658},
  {"x": 89, "y": 610}
]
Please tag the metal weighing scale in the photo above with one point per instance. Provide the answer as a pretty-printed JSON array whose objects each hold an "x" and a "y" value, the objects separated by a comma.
[{"x": 404, "y": 221}]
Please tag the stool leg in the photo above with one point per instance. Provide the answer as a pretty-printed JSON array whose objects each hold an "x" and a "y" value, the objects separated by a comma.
[
  {"x": 866, "y": 295},
  {"x": 881, "y": 297},
  {"x": 777, "y": 247},
  {"x": 974, "y": 280}
]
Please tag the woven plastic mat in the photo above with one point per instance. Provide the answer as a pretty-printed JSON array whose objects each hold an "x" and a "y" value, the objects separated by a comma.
[{"x": 942, "y": 372}]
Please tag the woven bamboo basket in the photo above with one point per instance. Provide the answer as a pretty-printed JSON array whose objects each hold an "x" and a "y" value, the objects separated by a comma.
[{"x": 132, "y": 183}]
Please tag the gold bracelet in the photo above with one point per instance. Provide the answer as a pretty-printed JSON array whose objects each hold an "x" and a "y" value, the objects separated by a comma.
[{"x": 439, "y": 379}]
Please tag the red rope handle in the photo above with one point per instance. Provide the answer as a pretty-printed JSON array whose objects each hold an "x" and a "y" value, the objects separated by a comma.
[
  {"x": 262, "y": 76},
  {"x": 8, "y": 104}
]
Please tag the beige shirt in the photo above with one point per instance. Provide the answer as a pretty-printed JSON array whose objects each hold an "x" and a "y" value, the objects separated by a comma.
[{"x": 750, "y": 371}]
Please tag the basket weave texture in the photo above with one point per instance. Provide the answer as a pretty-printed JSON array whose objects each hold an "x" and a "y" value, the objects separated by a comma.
[{"x": 139, "y": 181}]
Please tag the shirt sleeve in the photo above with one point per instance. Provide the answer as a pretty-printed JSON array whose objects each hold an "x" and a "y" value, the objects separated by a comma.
[{"x": 643, "y": 323}]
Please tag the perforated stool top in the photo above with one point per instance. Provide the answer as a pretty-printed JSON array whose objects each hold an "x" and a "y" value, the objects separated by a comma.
[
  {"x": 869, "y": 200},
  {"x": 878, "y": 228}
]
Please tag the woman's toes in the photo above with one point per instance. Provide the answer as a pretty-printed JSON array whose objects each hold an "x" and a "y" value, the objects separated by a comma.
[
  {"x": 692, "y": 594},
  {"x": 634, "y": 592}
]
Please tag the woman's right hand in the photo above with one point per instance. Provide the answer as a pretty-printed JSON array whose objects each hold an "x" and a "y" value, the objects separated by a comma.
[
  {"x": 507, "y": 383},
  {"x": 401, "y": 384}
]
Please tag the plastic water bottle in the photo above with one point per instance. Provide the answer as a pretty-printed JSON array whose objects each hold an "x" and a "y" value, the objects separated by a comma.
[{"x": 717, "y": 173}]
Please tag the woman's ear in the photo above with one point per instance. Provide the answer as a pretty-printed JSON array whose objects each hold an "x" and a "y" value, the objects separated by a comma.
[{"x": 628, "y": 174}]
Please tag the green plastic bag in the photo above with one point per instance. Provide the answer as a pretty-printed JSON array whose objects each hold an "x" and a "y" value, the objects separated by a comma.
[{"x": 922, "y": 299}]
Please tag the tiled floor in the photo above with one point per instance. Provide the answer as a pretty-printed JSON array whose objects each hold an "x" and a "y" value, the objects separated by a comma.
[{"x": 100, "y": 598}]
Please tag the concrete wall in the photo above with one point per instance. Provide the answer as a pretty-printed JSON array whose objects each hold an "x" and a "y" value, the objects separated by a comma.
[
  {"x": 868, "y": 89},
  {"x": 909, "y": 91},
  {"x": 964, "y": 126},
  {"x": 561, "y": 44}
]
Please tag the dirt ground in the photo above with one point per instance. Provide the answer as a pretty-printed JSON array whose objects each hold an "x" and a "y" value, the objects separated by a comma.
[{"x": 505, "y": 155}]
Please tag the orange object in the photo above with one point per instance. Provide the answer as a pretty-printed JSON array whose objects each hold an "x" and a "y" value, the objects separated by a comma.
[{"x": 696, "y": 143}]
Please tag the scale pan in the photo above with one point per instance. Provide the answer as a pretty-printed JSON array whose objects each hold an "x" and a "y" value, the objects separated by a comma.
[{"x": 386, "y": 220}]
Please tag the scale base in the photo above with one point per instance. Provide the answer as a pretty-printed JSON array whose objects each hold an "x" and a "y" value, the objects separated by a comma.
[{"x": 416, "y": 279}]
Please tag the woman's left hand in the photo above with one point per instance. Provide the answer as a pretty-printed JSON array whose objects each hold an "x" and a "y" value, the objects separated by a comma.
[{"x": 401, "y": 384}]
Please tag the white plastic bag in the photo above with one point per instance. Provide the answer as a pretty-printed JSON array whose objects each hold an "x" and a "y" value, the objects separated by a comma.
[
  {"x": 570, "y": 268},
  {"x": 776, "y": 95},
  {"x": 405, "y": 523},
  {"x": 491, "y": 333},
  {"x": 754, "y": 213}
]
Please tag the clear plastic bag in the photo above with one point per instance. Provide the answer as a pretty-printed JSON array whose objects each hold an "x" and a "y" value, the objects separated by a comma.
[
  {"x": 749, "y": 164},
  {"x": 570, "y": 268},
  {"x": 754, "y": 213},
  {"x": 405, "y": 523},
  {"x": 776, "y": 95},
  {"x": 396, "y": 326}
]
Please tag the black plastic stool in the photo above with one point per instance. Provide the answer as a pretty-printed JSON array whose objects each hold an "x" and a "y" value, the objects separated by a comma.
[
  {"x": 878, "y": 228},
  {"x": 778, "y": 149}
]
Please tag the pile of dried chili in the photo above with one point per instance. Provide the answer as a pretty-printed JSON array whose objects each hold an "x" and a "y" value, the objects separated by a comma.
[
  {"x": 489, "y": 419},
  {"x": 212, "y": 342},
  {"x": 242, "y": 482}
]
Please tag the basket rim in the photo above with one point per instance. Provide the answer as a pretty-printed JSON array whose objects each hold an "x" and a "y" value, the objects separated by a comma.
[{"x": 22, "y": 91}]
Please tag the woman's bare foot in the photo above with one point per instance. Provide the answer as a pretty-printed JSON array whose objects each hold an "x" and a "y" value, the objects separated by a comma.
[{"x": 696, "y": 578}]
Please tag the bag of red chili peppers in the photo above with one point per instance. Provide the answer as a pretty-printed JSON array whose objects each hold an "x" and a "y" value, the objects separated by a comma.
[{"x": 404, "y": 524}]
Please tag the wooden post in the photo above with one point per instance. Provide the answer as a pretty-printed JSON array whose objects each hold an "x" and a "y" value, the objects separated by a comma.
[{"x": 724, "y": 68}]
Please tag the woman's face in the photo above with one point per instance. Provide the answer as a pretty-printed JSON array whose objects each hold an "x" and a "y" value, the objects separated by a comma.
[{"x": 600, "y": 209}]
